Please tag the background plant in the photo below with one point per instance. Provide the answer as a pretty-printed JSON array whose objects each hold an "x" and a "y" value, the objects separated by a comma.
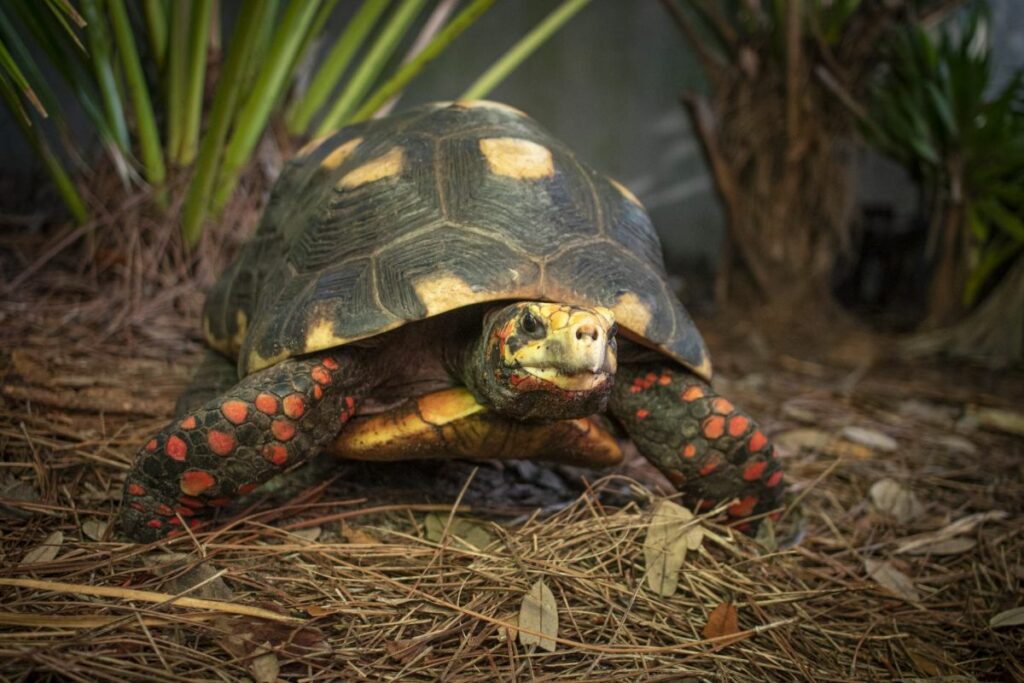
[{"x": 141, "y": 72}]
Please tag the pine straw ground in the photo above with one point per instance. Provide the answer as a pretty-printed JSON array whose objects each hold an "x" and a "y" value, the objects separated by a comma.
[{"x": 330, "y": 581}]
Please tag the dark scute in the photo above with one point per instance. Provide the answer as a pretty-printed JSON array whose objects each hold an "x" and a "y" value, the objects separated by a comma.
[
  {"x": 240, "y": 286},
  {"x": 485, "y": 263},
  {"x": 537, "y": 214},
  {"x": 629, "y": 225}
]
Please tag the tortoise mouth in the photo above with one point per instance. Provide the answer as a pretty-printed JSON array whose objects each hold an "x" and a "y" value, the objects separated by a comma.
[{"x": 552, "y": 378}]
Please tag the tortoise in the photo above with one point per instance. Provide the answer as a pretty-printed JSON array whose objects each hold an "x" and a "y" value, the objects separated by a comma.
[{"x": 447, "y": 282}]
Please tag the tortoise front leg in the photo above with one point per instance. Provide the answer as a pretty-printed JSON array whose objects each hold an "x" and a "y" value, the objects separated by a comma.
[
  {"x": 709, "y": 449},
  {"x": 229, "y": 445}
]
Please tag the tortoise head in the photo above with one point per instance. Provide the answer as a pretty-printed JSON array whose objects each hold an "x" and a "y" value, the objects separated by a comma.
[{"x": 538, "y": 360}]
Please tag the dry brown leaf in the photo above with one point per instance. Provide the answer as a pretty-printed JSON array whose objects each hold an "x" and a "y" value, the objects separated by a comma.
[
  {"x": 890, "y": 497},
  {"x": 961, "y": 526},
  {"x": 94, "y": 529},
  {"x": 949, "y": 546},
  {"x": 796, "y": 439},
  {"x": 508, "y": 632},
  {"x": 871, "y": 438},
  {"x": 671, "y": 532},
  {"x": 723, "y": 621},
  {"x": 45, "y": 551},
  {"x": 538, "y": 613},
  {"x": 356, "y": 535},
  {"x": 893, "y": 579},
  {"x": 204, "y": 575},
  {"x": 265, "y": 667},
  {"x": 464, "y": 532},
  {"x": 1010, "y": 617}
]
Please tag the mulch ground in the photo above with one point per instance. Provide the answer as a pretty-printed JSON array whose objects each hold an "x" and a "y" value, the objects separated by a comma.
[{"x": 900, "y": 554}]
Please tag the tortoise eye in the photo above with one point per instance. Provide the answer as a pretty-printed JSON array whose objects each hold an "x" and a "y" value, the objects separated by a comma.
[
  {"x": 613, "y": 330},
  {"x": 532, "y": 325}
]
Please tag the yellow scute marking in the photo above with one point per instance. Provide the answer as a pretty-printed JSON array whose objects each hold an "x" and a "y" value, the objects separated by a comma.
[
  {"x": 632, "y": 313},
  {"x": 311, "y": 145},
  {"x": 487, "y": 104},
  {"x": 517, "y": 158},
  {"x": 321, "y": 336},
  {"x": 442, "y": 407},
  {"x": 446, "y": 292},
  {"x": 257, "y": 362},
  {"x": 385, "y": 166},
  {"x": 624, "y": 191},
  {"x": 338, "y": 155}
]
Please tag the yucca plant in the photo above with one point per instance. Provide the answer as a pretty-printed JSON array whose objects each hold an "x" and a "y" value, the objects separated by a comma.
[
  {"x": 934, "y": 111},
  {"x": 139, "y": 71}
]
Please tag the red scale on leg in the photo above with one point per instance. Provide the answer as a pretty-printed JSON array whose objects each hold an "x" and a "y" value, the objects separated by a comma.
[
  {"x": 176, "y": 448},
  {"x": 318, "y": 392},
  {"x": 294, "y": 406},
  {"x": 330, "y": 363},
  {"x": 188, "y": 423},
  {"x": 712, "y": 463},
  {"x": 220, "y": 442},
  {"x": 154, "y": 523},
  {"x": 676, "y": 477},
  {"x": 136, "y": 490},
  {"x": 642, "y": 414},
  {"x": 282, "y": 430},
  {"x": 266, "y": 403},
  {"x": 713, "y": 427},
  {"x": 151, "y": 445},
  {"x": 754, "y": 470},
  {"x": 722, "y": 406},
  {"x": 246, "y": 488},
  {"x": 193, "y": 503},
  {"x": 689, "y": 450},
  {"x": 235, "y": 411},
  {"x": 757, "y": 441},
  {"x": 743, "y": 507},
  {"x": 276, "y": 453},
  {"x": 738, "y": 425},
  {"x": 691, "y": 394},
  {"x": 164, "y": 510},
  {"x": 195, "y": 482},
  {"x": 320, "y": 375},
  {"x": 774, "y": 479}
]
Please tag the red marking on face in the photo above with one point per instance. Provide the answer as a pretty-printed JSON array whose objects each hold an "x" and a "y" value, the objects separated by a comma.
[
  {"x": 689, "y": 450},
  {"x": 330, "y": 363},
  {"x": 757, "y": 442},
  {"x": 221, "y": 443},
  {"x": 137, "y": 506},
  {"x": 136, "y": 490},
  {"x": 176, "y": 448},
  {"x": 320, "y": 375},
  {"x": 188, "y": 423},
  {"x": 282, "y": 430},
  {"x": 318, "y": 392},
  {"x": 642, "y": 414},
  {"x": 713, "y": 427},
  {"x": 664, "y": 380},
  {"x": 774, "y": 479},
  {"x": 722, "y": 406},
  {"x": 738, "y": 425},
  {"x": 246, "y": 488},
  {"x": 235, "y": 411},
  {"x": 692, "y": 394},
  {"x": 193, "y": 503},
  {"x": 754, "y": 470},
  {"x": 266, "y": 403},
  {"x": 154, "y": 523},
  {"x": 151, "y": 445},
  {"x": 184, "y": 511},
  {"x": 164, "y": 510},
  {"x": 743, "y": 507},
  {"x": 677, "y": 477},
  {"x": 194, "y": 482},
  {"x": 276, "y": 453},
  {"x": 294, "y": 406}
]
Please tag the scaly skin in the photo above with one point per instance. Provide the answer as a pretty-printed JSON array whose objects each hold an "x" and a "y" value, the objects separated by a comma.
[
  {"x": 269, "y": 421},
  {"x": 708, "y": 449}
]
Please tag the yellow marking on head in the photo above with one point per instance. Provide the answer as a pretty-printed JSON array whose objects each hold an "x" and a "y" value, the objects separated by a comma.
[
  {"x": 321, "y": 336},
  {"x": 632, "y": 313},
  {"x": 385, "y": 166},
  {"x": 624, "y": 191},
  {"x": 487, "y": 104},
  {"x": 338, "y": 155},
  {"x": 517, "y": 158},
  {"x": 558, "y": 319}
]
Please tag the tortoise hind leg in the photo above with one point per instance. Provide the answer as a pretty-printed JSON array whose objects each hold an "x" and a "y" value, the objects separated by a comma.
[
  {"x": 708, "y": 449},
  {"x": 226, "y": 447},
  {"x": 215, "y": 375}
]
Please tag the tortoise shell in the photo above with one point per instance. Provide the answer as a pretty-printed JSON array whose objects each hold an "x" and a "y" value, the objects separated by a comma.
[{"x": 395, "y": 220}]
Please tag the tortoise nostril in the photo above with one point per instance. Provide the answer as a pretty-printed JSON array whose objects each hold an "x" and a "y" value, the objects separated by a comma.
[{"x": 587, "y": 330}]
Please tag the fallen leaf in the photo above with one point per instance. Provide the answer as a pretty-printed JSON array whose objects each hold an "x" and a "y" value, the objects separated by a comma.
[
  {"x": 891, "y": 578},
  {"x": 310, "y": 533},
  {"x": 956, "y": 443},
  {"x": 538, "y": 613},
  {"x": 265, "y": 667},
  {"x": 45, "y": 551},
  {"x": 464, "y": 532},
  {"x": 1010, "y": 617},
  {"x": 890, "y": 497},
  {"x": 870, "y": 438},
  {"x": 765, "y": 536},
  {"x": 999, "y": 420},
  {"x": 961, "y": 526},
  {"x": 356, "y": 535},
  {"x": 723, "y": 621},
  {"x": 799, "y": 413},
  {"x": 671, "y": 532},
  {"x": 94, "y": 529},
  {"x": 508, "y": 632},
  {"x": 949, "y": 546},
  {"x": 932, "y": 413},
  {"x": 796, "y": 439}
]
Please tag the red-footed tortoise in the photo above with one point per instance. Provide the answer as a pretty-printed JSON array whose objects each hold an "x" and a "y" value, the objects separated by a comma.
[{"x": 451, "y": 281}]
